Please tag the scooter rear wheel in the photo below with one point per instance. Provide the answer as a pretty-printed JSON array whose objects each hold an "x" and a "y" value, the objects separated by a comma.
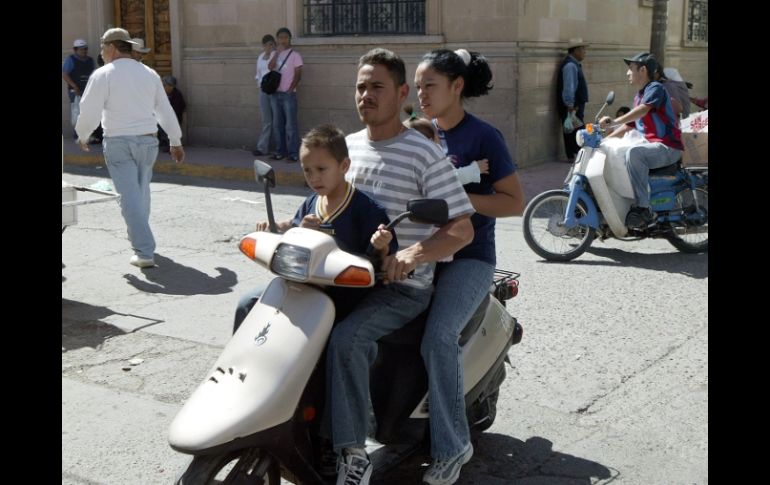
[
  {"x": 544, "y": 234},
  {"x": 248, "y": 466},
  {"x": 696, "y": 240}
]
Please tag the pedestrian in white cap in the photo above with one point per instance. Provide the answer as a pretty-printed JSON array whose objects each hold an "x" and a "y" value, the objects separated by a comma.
[{"x": 129, "y": 99}]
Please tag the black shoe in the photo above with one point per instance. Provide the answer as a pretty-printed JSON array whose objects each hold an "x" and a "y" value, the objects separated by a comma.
[
  {"x": 293, "y": 159},
  {"x": 257, "y": 153},
  {"x": 639, "y": 217},
  {"x": 277, "y": 157}
]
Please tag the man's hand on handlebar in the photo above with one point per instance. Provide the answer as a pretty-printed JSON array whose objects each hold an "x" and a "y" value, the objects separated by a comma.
[{"x": 398, "y": 266}]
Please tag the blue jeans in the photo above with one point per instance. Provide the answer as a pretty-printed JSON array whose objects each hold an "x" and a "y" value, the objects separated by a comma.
[
  {"x": 352, "y": 350},
  {"x": 285, "y": 123},
  {"x": 130, "y": 160},
  {"x": 268, "y": 134},
  {"x": 246, "y": 303},
  {"x": 460, "y": 287},
  {"x": 640, "y": 159}
]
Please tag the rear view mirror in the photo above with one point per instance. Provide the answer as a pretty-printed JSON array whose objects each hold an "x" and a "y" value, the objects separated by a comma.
[
  {"x": 610, "y": 98},
  {"x": 264, "y": 173},
  {"x": 428, "y": 211}
]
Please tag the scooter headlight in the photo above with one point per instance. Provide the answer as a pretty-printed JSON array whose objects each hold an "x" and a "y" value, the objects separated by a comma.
[
  {"x": 291, "y": 261},
  {"x": 579, "y": 138}
]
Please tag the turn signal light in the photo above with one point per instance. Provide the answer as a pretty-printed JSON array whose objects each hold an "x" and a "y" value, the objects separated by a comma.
[
  {"x": 248, "y": 246},
  {"x": 354, "y": 276}
]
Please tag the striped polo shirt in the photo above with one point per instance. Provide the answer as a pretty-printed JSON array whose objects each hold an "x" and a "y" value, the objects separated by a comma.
[{"x": 394, "y": 171}]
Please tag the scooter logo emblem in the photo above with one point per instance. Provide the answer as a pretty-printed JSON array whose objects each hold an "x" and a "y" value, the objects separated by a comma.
[{"x": 262, "y": 337}]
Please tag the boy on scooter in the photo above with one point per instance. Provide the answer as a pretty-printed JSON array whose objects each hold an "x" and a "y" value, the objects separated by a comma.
[
  {"x": 353, "y": 218},
  {"x": 653, "y": 115}
]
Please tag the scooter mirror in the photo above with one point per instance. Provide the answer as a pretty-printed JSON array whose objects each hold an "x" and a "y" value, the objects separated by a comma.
[
  {"x": 610, "y": 98},
  {"x": 264, "y": 173},
  {"x": 428, "y": 211}
]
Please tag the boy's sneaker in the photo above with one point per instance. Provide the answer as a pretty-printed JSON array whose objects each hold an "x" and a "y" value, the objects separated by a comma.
[
  {"x": 354, "y": 467},
  {"x": 446, "y": 472},
  {"x": 639, "y": 217}
]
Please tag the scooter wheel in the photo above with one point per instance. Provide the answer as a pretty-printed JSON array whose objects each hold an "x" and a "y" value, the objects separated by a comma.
[
  {"x": 544, "y": 232},
  {"x": 241, "y": 466}
]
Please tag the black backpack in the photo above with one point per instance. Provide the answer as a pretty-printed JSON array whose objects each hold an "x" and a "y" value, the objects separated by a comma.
[{"x": 272, "y": 79}]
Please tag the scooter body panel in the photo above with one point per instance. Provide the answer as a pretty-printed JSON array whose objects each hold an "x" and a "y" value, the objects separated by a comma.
[{"x": 257, "y": 382}]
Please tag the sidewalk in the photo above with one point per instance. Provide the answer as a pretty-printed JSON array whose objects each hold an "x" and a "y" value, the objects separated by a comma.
[{"x": 235, "y": 164}]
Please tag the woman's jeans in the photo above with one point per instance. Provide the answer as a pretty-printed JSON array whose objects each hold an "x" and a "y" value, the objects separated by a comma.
[
  {"x": 460, "y": 287},
  {"x": 285, "y": 123},
  {"x": 130, "y": 160},
  {"x": 266, "y": 114}
]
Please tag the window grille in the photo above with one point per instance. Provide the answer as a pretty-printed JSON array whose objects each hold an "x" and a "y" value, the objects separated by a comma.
[
  {"x": 364, "y": 17},
  {"x": 698, "y": 21}
]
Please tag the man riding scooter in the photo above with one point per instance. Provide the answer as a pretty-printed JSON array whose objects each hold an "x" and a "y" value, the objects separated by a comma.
[{"x": 653, "y": 116}]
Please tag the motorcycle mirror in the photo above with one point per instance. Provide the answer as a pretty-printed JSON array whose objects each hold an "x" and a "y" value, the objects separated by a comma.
[
  {"x": 610, "y": 98},
  {"x": 428, "y": 211},
  {"x": 264, "y": 173}
]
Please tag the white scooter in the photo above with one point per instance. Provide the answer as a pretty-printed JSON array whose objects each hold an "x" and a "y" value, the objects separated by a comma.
[
  {"x": 560, "y": 225},
  {"x": 256, "y": 415}
]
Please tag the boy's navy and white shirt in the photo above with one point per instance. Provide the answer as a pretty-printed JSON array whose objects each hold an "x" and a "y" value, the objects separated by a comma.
[
  {"x": 394, "y": 171},
  {"x": 352, "y": 223}
]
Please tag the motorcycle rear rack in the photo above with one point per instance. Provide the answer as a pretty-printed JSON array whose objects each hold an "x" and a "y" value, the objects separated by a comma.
[{"x": 506, "y": 284}]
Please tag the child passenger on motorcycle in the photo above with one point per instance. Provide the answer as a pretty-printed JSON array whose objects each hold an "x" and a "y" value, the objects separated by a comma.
[
  {"x": 467, "y": 174},
  {"x": 353, "y": 218}
]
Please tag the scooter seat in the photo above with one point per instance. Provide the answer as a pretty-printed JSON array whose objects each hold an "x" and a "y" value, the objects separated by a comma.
[{"x": 665, "y": 171}]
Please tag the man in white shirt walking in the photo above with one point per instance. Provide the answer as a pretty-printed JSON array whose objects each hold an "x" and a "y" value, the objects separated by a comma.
[{"x": 129, "y": 100}]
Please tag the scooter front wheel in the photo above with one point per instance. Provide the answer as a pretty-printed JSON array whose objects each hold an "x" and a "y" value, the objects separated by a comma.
[
  {"x": 250, "y": 465},
  {"x": 544, "y": 232}
]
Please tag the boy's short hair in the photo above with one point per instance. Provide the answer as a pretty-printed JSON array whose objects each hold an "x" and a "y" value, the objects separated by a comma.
[{"x": 328, "y": 137}]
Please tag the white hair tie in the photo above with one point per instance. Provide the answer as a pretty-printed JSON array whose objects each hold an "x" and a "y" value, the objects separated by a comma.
[{"x": 464, "y": 55}]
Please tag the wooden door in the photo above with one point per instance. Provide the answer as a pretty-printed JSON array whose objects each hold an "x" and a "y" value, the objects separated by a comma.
[{"x": 149, "y": 20}]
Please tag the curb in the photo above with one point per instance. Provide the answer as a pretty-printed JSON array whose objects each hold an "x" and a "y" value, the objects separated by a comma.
[{"x": 282, "y": 177}]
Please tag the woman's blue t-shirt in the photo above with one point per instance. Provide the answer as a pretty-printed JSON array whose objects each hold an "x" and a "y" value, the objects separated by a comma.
[{"x": 473, "y": 139}]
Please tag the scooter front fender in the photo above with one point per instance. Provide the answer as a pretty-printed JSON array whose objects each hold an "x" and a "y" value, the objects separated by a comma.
[
  {"x": 576, "y": 192},
  {"x": 258, "y": 380}
]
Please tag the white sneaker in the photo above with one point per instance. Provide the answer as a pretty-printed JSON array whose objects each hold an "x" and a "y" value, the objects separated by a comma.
[
  {"x": 446, "y": 472},
  {"x": 354, "y": 467},
  {"x": 141, "y": 262}
]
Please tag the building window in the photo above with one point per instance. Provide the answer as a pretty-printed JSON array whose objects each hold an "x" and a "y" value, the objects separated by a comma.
[
  {"x": 698, "y": 21},
  {"x": 364, "y": 17}
]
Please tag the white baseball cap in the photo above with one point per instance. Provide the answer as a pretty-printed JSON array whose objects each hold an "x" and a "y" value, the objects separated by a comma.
[{"x": 79, "y": 43}]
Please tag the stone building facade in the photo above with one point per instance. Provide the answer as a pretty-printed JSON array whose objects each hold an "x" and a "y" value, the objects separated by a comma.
[{"x": 212, "y": 45}]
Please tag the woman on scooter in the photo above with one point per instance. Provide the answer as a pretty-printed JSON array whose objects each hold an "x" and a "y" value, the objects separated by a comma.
[{"x": 443, "y": 80}]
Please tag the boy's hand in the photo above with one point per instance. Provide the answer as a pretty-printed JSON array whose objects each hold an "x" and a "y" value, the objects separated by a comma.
[
  {"x": 483, "y": 165},
  {"x": 310, "y": 221},
  {"x": 381, "y": 238}
]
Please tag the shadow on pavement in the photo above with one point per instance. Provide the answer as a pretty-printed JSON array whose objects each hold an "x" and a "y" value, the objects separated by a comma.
[
  {"x": 172, "y": 278},
  {"x": 500, "y": 459},
  {"x": 692, "y": 265},
  {"x": 81, "y": 325}
]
